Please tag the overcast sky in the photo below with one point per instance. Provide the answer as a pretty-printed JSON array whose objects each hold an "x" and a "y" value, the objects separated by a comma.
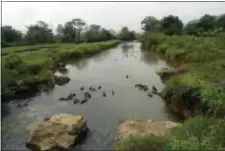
[{"x": 107, "y": 14}]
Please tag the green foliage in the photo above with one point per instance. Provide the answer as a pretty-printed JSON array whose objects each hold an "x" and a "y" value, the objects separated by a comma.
[
  {"x": 66, "y": 33},
  {"x": 39, "y": 33},
  {"x": 22, "y": 66},
  {"x": 150, "y": 23},
  {"x": 97, "y": 33},
  {"x": 171, "y": 25},
  {"x": 9, "y": 35},
  {"x": 207, "y": 22},
  {"x": 126, "y": 35},
  {"x": 221, "y": 22},
  {"x": 198, "y": 134},
  {"x": 207, "y": 25},
  {"x": 195, "y": 91}
]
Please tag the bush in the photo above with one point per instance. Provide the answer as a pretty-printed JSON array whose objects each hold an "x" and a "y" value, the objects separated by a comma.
[{"x": 198, "y": 133}]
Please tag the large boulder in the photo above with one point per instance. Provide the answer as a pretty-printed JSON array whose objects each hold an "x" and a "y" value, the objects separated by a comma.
[
  {"x": 144, "y": 127},
  {"x": 61, "y": 80},
  {"x": 131, "y": 129},
  {"x": 59, "y": 131}
]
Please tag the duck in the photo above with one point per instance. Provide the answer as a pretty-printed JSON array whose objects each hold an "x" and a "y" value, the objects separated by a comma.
[
  {"x": 93, "y": 89},
  {"x": 83, "y": 101},
  {"x": 112, "y": 92},
  {"x": 62, "y": 99},
  {"x": 137, "y": 85},
  {"x": 127, "y": 76},
  {"x": 70, "y": 97},
  {"x": 90, "y": 88},
  {"x": 99, "y": 87},
  {"x": 154, "y": 89},
  {"x": 149, "y": 94},
  {"x": 75, "y": 101},
  {"x": 145, "y": 87},
  {"x": 104, "y": 94},
  {"x": 82, "y": 88},
  {"x": 87, "y": 95}
]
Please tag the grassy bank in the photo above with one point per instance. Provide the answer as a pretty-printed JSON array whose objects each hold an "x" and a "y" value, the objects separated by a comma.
[
  {"x": 27, "y": 68},
  {"x": 196, "y": 94},
  {"x": 199, "y": 90},
  {"x": 196, "y": 134}
]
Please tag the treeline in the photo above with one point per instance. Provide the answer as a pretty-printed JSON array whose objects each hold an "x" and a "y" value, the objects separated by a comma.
[
  {"x": 76, "y": 31},
  {"x": 207, "y": 25}
]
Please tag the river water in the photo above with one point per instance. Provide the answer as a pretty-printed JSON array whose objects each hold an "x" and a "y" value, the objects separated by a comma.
[{"x": 108, "y": 69}]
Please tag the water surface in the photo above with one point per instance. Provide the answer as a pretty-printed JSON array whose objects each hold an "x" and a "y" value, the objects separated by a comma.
[{"x": 107, "y": 69}]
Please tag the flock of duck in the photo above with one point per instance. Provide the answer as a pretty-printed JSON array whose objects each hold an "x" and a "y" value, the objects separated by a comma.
[
  {"x": 87, "y": 95},
  {"x": 145, "y": 88}
]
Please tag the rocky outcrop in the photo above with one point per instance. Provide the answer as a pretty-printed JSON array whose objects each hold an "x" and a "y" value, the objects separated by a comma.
[
  {"x": 59, "y": 131},
  {"x": 144, "y": 127},
  {"x": 131, "y": 131},
  {"x": 61, "y": 80}
]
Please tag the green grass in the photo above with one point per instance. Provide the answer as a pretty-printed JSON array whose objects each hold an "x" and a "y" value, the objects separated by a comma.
[
  {"x": 17, "y": 49},
  {"x": 197, "y": 133},
  {"x": 203, "y": 58},
  {"x": 34, "y": 65}
]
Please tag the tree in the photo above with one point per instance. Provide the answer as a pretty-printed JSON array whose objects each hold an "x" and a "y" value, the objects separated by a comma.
[
  {"x": 66, "y": 33},
  {"x": 171, "y": 25},
  {"x": 60, "y": 30},
  {"x": 191, "y": 28},
  {"x": 207, "y": 23},
  {"x": 9, "y": 35},
  {"x": 39, "y": 33},
  {"x": 96, "y": 33},
  {"x": 78, "y": 24},
  {"x": 106, "y": 35},
  {"x": 126, "y": 35},
  {"x": 221, "y": 21},
  {"x": 150, "y": 23}
]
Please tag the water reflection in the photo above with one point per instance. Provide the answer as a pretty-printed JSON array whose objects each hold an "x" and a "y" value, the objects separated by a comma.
[
  {"x": 149, "y": 57},
  {"x": 80, "y": 64},
  {"x": 126, "y": 47},
  {"x": 101, "y": 55}
]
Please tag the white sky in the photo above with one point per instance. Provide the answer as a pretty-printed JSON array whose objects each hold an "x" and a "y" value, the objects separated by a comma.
[{"x": 112, "y": 15}]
